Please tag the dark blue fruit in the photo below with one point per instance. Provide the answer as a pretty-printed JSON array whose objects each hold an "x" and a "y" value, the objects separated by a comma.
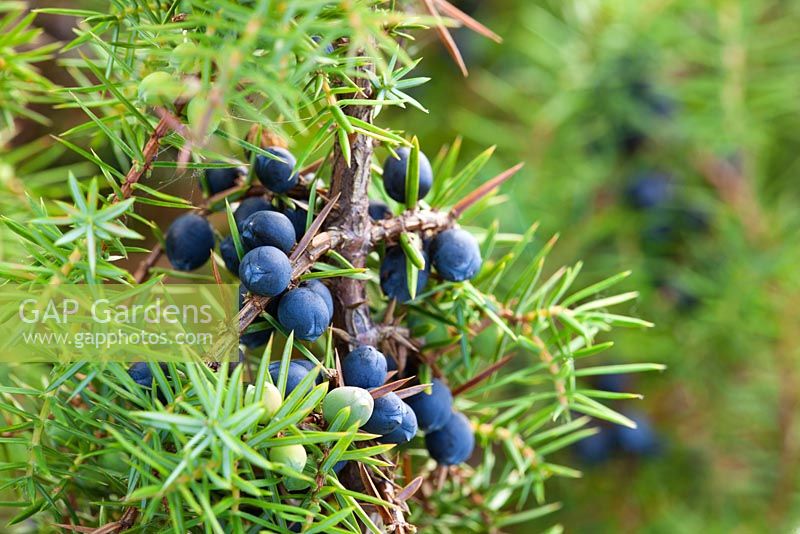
[
  {"x": 338, "y": 466},
  {"x": 328, "y": 49},
  {"x": 407, "y": 429},
  {"x": 648, "y": 190},
  {"x": 639, "y": 441},
  {"x": 453, "y": 443},
  {"x": 303, "y": 311},
  {"x": 394, "y": 175},
  {"x": 228, "y": 252},
  {"x": 434, "y": 409},
  {"x": 297, "y": 372},
  {"x": 394, "y": 281},
  {"x": 364, "y": 367},
  {"x": 379, "y": 210},
  {"x": 220, "y": 179},
  {"x": 456, "y": 255},
  {"x": 268, "y": 228},
  {"x": 595, "y": 449},
  {"x": 322, "y": 290},
  {"x": 142, "y": 374},
  {"x": 310, "y": 366},
  {"x": 298, "y": 217},
  {"x": 189, "y": 242},
  {"x": 265, "y": 271},
  {"x": 276, "y": 174},
  {"x": 387, "y": 415},
  {"x": 249, "y": 206}
]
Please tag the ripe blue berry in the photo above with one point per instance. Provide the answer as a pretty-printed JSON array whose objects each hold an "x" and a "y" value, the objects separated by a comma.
[
  {"x": 379, "y": 210},
  {"x": 328, "y": 49},
  {"x": 453, "y": 443},
  {"x": 387, "y": 415},
  {"x": 364, "y": 367},
  {"x": 595, "y": 449},
  {"x": 249, "y": 206},
  {"x": 456, "y": 255},
  {"x": 268, "y": 228},
  {"x": 219, "y": 179},
  {"x": 394, "y": 280},
  {"x": 407, "y": 429},
  {"x": 322, "y": 290},
  {"x": 142, "y": 374},
  {"x": 276, "y": 174},
  {"x": 338, "y": 466},
  {"x": 639, "y": 441},
  {"x": 648, "y": 190},
  {"x": 434, "y": 409},
  {"x": 298, "y": 217},
  {"x": 310, "y": 366},
  {"x": 394, "y": 175},
  {"x": 297, "y": 372},
  {"x": 189, "y": 242},
  {"x": 228, "y": 252},
  {"x": 305, "y": 312},
  {"x": 265, "y": 271}
]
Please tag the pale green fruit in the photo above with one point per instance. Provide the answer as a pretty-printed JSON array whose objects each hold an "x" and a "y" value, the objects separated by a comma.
[
  {"x": 358, "y": 400},
  {"x": 184, "y": 58},
  {"x": 196, "y": 111},
  {"x": 159, "y": 88},
  {"x": 293, "y": 456},
  {"x": 270, "y": 399}
]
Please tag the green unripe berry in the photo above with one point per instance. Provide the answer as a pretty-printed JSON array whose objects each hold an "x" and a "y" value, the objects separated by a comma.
[
  {"x": 196, "y": 112},
  {"x": 293, "y": 456},
  {"x": 358, "y": 400},
  {"x": 184, "y": 58},
  {"x": 159, "y": 88},
  {"x": 270, "y": 399}
]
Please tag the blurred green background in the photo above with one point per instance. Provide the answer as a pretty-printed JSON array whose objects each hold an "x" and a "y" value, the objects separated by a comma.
[
  {"x": 658, "y": 136},
  {"x": 592, "y": 95}
]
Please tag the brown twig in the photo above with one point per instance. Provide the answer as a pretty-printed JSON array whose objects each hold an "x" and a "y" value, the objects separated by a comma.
[
  {"x": 143, "y": 270},
  {"x": 149, "y": 153}
]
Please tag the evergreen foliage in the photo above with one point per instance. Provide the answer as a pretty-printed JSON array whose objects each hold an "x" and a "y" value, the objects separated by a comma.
[{"x": 167, "y": 91}]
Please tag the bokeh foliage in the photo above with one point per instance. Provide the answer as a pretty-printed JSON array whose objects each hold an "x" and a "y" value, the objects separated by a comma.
[{"x": 727, "y": 408}]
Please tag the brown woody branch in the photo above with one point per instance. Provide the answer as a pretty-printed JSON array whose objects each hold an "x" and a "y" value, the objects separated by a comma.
[{"x": 139, "y": 168}]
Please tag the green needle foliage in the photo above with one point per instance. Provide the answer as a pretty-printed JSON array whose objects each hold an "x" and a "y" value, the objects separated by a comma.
[{"x": 166, "y": 89}]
